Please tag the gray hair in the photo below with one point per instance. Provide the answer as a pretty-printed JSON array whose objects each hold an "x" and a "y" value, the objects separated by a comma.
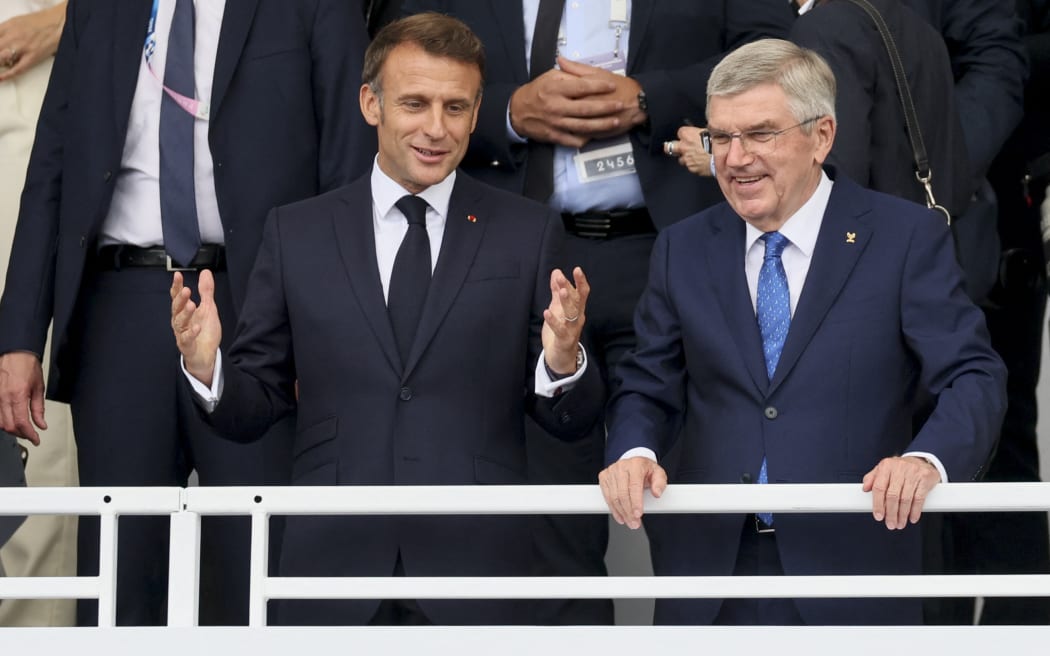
[{"x": 804, "y": 76}]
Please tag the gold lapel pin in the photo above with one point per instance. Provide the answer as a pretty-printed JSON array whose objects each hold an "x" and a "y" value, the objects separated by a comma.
[{"x": 851, "y": 238}]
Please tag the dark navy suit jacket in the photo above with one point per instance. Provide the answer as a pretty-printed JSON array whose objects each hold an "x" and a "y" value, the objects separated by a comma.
[
  {"x": 285, "y": 125},
  {"x": 453, "y": 413},
  {"x": 882, "y": 323},
  {"x": 673, "y": 47}
]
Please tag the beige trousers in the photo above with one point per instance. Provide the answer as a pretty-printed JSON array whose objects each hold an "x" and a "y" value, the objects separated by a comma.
[{"x": 44, "y": 545}]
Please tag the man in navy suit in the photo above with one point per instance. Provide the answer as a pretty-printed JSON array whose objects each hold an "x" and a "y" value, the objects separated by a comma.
[
  {"x": 271, "y": 84},
  {"x": 446, "y": 406},
  {"x": 794, "y": 335}
]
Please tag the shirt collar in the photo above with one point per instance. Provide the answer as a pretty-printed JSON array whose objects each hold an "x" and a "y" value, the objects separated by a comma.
[
  {"x": 386, "y": 192},
  {"x": 802, "y": 227}
]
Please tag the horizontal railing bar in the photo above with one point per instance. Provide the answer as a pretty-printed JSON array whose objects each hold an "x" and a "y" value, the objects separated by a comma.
[
  {"x": 90, "y": 500},
  {"x": 49, "y": 587},
  {"x": 579, "y": 499},
  {"x": 658, "y": 587}
]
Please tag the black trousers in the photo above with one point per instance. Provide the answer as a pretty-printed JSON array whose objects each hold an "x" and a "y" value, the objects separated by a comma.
[{"x": 136, "y": 425}]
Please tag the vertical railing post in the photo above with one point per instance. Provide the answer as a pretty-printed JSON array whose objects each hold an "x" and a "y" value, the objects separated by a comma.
[
  {"x": 260, "y": 568},
  {"x": 107, "y": 568},
  {"x": 184, "y": 567}
]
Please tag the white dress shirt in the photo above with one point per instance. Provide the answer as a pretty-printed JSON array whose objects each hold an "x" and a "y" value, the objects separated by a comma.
[
  {"x": 134, "y": 213},
  {"x": 801, "y": 230},
  {"x": 390, "y": 226}
]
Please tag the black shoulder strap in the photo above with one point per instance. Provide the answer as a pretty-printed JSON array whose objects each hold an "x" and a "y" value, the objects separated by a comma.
[{"x": 911, "y": 119}]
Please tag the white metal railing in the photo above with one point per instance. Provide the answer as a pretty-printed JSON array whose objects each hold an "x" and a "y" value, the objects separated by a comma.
[{"x": 186, "y": 506}]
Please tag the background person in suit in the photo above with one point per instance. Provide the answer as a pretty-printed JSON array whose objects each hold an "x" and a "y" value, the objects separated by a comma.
[
  {"x": 45, "y": 545},
  {"x": 271, "y": 83},
  {"x": 626, "y": 75},
  {"x": 437, "y": 396},
  {"x": 791, "y": 334}
]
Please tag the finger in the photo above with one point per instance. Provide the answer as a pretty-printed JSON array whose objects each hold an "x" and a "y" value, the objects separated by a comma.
[
  {"x": 607, "y": 481},
  {"x": 21, "y": 66},
  {"x": 908, "y": 489},
  {"x": 36, "y": 407},
  {"x": 587, "y": 118},
  {"x": 206, "y": 285},
  {"x": 658, "y": 481},
  {"x": 635, "y": 496},
  {"x": 23, "y": 426},
  {"x": 877, "y": 487},
  {"x": 176, "y": 285},
  {"x": 583, "y": 286},
  {"x": 893, "y": 498},
  {"x": 917, "y": 504}
]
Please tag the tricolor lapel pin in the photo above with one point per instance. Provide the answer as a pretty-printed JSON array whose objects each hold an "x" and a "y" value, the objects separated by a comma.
[{"x": 472, "y": 218}]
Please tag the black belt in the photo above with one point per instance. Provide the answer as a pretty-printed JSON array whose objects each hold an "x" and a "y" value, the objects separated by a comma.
[
  {"x": 604, "y": 225},
  {"x": 123, "y": 256}
]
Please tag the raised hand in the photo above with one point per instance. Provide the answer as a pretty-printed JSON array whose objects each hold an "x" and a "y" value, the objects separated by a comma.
[
  {"x": 197, "y": 329},
  {"x": 563, "y": 320}
]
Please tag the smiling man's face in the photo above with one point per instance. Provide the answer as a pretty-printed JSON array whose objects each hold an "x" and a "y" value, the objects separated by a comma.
[{"x": 428, "y": 109}]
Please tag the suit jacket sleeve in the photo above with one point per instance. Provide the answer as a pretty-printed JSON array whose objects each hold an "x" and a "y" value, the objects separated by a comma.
[
  {"x": 647, "y": 407},
  {"x": 28, "y": 299},
  {"x": 958, "y": 367},
  {"x": 346, "y": 143},
  {"x": 259, "y": 374},
  {"x": 984, "y": 42}
]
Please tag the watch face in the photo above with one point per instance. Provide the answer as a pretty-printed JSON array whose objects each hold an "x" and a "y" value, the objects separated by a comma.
[{"x": 643, "y": 102}]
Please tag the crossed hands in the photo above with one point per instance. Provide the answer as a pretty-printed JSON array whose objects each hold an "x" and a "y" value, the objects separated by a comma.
[
  {"x": 899, "y": 487},
  {"x": 575, "y": 103}
]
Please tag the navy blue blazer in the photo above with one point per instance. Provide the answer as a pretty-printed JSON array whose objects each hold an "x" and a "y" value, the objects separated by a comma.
[
  {"x": 882, "y": 332},
  {"x": 285, "y": 125},
  {"x": 672, "y": 48},
  {"x": 452, "y": 414}
]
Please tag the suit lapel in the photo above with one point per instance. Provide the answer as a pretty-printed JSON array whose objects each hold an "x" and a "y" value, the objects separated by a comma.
[
  {"x": 131, "y": 20},
  {"x": 236, "y": 21},
  {"x": 459, "y": 244},
  {"x": 725, "y": 255},
  {"x": 842, "y": 239},
  {"x": 355, "y": 236},
  {"x": 640, "y": 12}
]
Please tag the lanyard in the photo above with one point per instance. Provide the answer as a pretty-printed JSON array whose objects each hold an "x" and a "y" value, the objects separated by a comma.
[
  {"x": 193, "y": 107},
  {"x": 617, "y": 23}
]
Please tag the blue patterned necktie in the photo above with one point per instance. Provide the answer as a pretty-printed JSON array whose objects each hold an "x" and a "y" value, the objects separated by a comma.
[
  {"x": 773, "y": 306},
  {"x": 178, "y": 202}
]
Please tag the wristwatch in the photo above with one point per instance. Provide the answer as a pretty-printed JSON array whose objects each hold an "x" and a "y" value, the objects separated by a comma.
[{"x": 643, "y": 102}]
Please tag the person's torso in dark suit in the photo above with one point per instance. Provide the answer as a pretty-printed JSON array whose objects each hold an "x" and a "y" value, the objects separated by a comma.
[
  {"x": 882, "y": 315},
  {"x": 451, "y": 414},
  {"x": 284, "y": 125}
]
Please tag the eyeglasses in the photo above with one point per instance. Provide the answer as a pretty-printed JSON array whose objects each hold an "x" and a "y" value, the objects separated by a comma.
[{"x": 755, "y": 142}]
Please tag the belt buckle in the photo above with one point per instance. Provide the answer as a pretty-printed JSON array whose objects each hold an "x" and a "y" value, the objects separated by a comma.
[
  {"x": 170, "y": 266},
  {"x": 761, "y": 527}
]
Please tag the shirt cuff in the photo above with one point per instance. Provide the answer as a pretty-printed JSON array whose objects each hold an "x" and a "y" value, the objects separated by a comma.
[
  {"x": 206, "y": 397},
  {"x": 639, "y": 451},
  {"x": 932, "y": 459},
  {"x": 511, "y": 134},
  {"x": 548, "y": 388}
]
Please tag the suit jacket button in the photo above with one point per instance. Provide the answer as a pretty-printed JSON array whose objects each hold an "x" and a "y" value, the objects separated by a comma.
[
  {"x": 745, "y": 477},
  {"x": 406, "y": 394},
  {"x": 770, "y": 412}
]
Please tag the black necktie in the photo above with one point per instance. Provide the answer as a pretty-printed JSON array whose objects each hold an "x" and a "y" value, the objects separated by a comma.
[
  {"x": 539, "y": 169},
  {"x": 178, "y": 204},
  {"x": 411, "y": 275}
]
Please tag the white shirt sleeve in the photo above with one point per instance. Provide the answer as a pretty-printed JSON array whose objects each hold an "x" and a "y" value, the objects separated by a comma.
[
  {"x": 207, "y": 397},
  {"x": 548, "y": 388}
]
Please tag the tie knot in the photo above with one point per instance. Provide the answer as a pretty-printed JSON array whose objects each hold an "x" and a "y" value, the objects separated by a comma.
[
  {"x": 775, "y": 244},
  {"x": 414, "y": 208}
]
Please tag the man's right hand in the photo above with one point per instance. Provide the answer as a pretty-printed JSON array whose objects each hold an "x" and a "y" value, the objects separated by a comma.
[
  {"x": 558, "y": 108},
  {"x": 22, "y": 395},
  {"x": 197, "y": 329},
  {"x": 624, "y": 482}
]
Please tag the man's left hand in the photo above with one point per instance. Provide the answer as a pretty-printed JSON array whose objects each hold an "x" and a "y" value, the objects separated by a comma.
[
  {"x": 625, "y": 93},
  {"x": 563, "y": 320},
  {"x": 899, "y": 487}
]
